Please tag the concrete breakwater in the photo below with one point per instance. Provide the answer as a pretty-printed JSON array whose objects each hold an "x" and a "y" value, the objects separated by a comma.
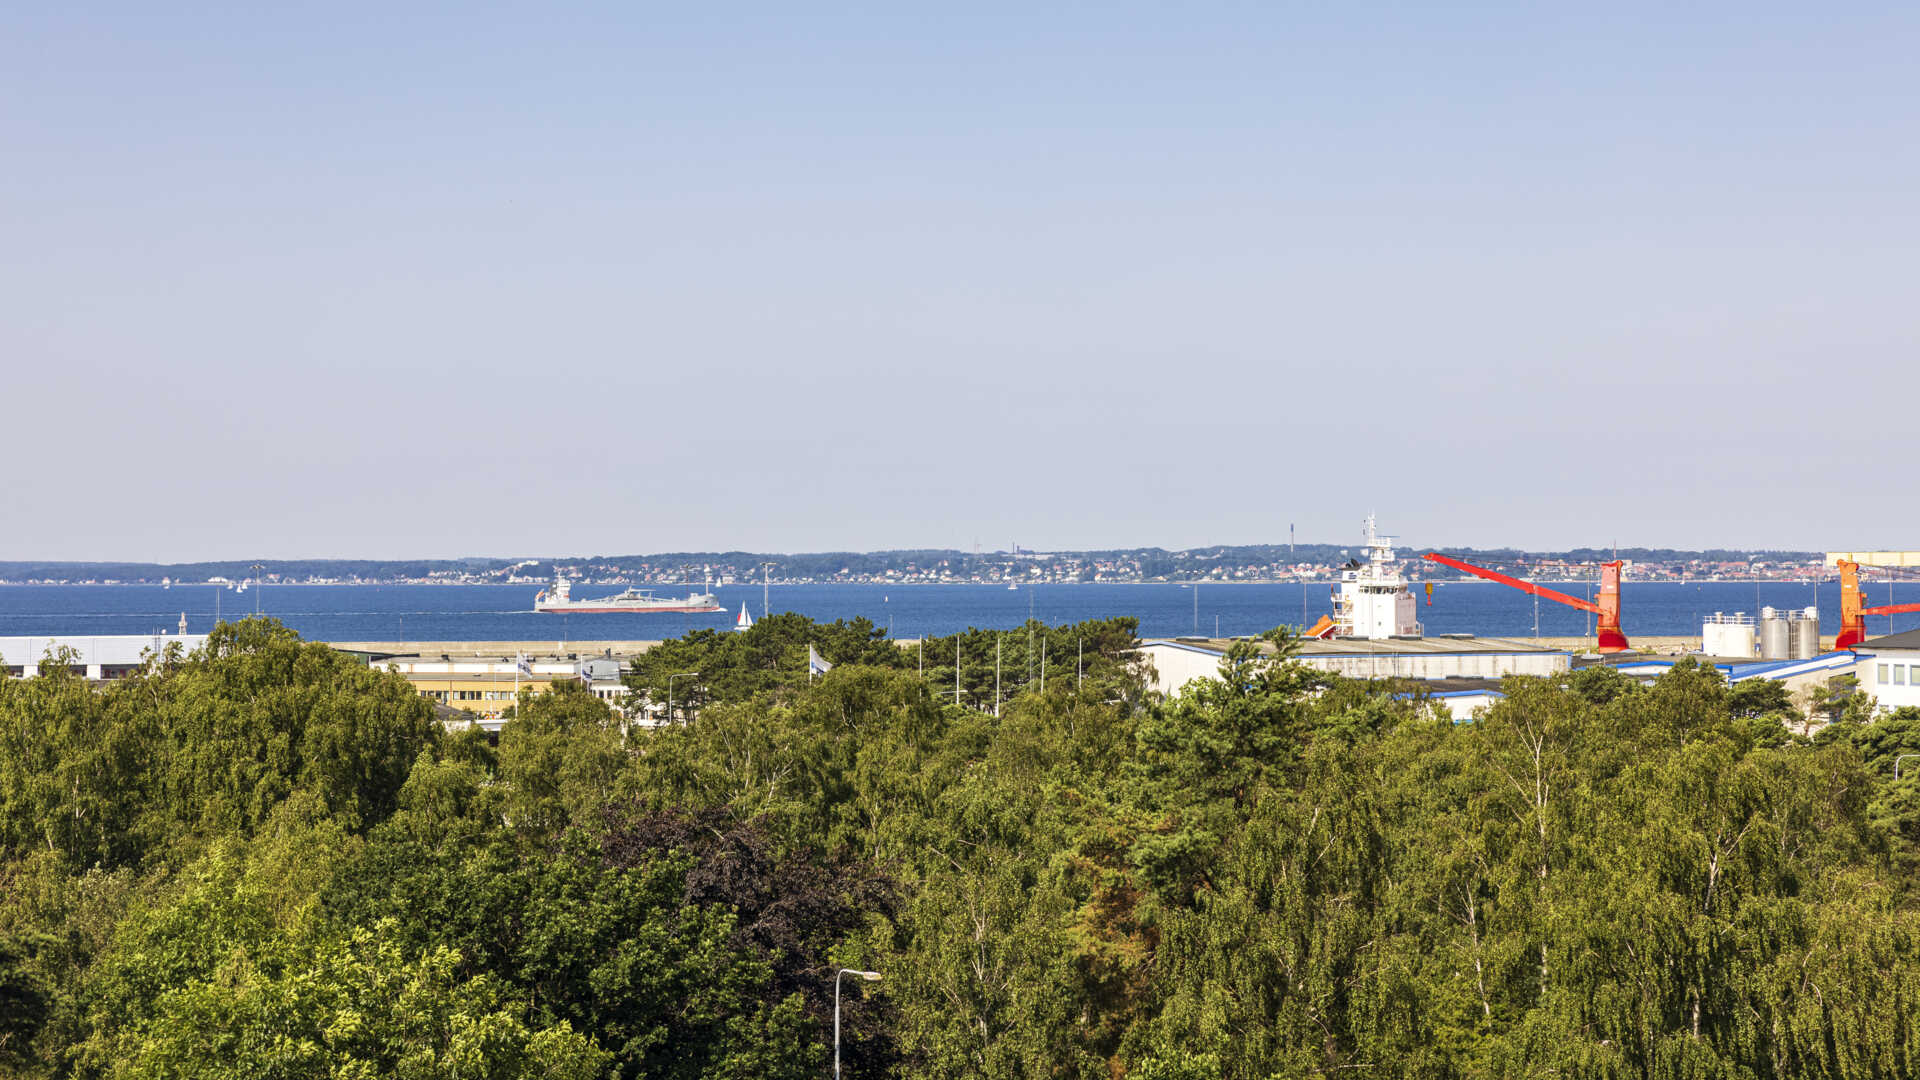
[{"x": 544, "y": 647}]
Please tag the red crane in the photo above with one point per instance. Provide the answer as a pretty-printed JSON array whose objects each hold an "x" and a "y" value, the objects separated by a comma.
[
  {"x": 1854, "y": 609},
  {"x": 1607, "y": 626}
]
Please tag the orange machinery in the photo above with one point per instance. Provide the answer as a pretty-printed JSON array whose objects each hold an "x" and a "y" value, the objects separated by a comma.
[
  {"x": 1854, "y": 609},
  {"x": 1607, "y": 625}
]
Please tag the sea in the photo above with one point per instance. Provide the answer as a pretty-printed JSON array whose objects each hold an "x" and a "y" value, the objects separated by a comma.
[{"x": 505, "y": 612}]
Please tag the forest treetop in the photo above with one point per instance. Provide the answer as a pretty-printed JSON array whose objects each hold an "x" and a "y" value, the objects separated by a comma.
[{"x": 263, "y": 858}]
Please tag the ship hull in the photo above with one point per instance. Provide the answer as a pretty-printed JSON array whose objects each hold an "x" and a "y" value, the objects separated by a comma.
[{"x": 602, "y": 609}]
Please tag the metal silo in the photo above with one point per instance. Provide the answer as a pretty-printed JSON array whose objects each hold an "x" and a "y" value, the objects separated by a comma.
[
  {"x": 1776, "y": 641},
  {"x": 1806, "y": 634}
]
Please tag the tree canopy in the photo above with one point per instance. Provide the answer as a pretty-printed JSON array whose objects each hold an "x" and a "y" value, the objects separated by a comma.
[{"x": 263, "y": 858}]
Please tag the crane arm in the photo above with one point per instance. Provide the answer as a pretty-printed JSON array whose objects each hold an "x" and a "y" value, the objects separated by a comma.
[
  {"x": 1514, "y": 582},
  {"x": 1891, "y": 571},
  {"x": 1854, "y": 609}
]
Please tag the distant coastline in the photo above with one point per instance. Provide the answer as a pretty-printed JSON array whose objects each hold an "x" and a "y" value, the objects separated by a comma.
[
  {"x": 1001, "y": 583},
  {"x": 1249, "y": 564}
]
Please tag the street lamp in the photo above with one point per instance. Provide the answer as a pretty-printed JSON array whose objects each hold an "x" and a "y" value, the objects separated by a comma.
[
  {"x": 1898, "y": 758},
  {"x": 870, "y": 976},
  {"x": 670, "y": 678}
]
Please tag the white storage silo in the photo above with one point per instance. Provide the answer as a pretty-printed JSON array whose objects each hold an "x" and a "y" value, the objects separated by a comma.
[
  {"x": 1727, "y": 635},
  {"x": 1806, "y": 633},
  {"x": 1776, "y": 641}
]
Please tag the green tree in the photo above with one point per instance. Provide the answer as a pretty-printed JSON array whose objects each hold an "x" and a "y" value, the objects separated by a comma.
[
  {"x": 23, "y": 1008},
  {"x": 74, "y": 769},
  {"x": 562, "y": 754},
  {"x": 770, "y": 656}
]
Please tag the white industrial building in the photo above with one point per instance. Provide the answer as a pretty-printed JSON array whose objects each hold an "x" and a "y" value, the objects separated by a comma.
[
  {"x": 1798, "y": 675},
  {"x": 1466, "y": 706},
  {"x": 98, "y": 657},
  {"x": 1890, "y": 669},
  {"x": 1177, "y": 662}
]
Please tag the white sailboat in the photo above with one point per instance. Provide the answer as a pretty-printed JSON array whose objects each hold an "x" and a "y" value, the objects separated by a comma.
[{"x": 745, "y": 621}]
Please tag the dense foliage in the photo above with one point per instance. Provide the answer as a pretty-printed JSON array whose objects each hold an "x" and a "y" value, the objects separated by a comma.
[
  {"x": 992, "y": 666},
  {"x": 262, "y": 859}
]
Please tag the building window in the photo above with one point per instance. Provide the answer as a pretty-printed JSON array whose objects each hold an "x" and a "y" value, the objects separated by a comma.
[
  {"x": 1899, "y": 674},
  {"x": 1880, "y": 675}
]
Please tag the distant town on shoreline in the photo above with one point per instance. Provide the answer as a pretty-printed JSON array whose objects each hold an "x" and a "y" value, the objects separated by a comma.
[{"x": 1247, "y": 564}]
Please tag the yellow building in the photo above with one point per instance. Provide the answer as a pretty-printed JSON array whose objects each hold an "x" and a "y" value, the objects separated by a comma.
[
  {"x": 487, "y": 695},
  {"x": 1876, "y": 558},
  {"x": 485, "y": 686}
]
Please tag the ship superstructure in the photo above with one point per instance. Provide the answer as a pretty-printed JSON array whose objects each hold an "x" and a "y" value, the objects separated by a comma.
[
  {"x": 1373, "y": 600},
  {"x": 559, "y": 600}
]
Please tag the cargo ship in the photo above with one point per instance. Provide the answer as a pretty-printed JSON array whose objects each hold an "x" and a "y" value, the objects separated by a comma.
[{"x": 559, "y": 600}]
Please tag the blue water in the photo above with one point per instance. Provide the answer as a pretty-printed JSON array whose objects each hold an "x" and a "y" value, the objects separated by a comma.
[{"x": 504, "y": 612}]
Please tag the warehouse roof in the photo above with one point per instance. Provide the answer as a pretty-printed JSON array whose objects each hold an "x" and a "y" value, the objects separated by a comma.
[
  {"x": 1454, "y": 686},
  {"x": 1909, "y": 639},
  {"x": 117, "y": 650},
  {"x": 1445, "y": 645},
  {"x": 1739, "y": 670}
]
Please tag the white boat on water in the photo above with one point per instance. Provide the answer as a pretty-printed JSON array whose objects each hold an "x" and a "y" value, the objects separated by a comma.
[
  {"x": 559, "y": 600},
  {"x": 745, "y": 621}
]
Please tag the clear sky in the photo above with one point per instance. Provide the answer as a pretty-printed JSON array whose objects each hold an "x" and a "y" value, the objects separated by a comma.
[{"x": 534, "y": 279}]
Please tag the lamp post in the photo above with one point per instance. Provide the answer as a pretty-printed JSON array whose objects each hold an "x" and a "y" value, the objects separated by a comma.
[
  {"x": 670, "y": 678},
  {"x": 1898, "y": 758},
  {"x": 870, "y": 976}
]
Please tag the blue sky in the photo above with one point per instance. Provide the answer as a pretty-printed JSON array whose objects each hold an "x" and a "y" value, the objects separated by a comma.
[{"x": 518, "y": 279}]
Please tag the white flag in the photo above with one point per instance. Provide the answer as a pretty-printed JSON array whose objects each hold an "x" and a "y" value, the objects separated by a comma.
[
  {"x": 526, "y": 666},
  {"x": 815, "y": 665}
]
